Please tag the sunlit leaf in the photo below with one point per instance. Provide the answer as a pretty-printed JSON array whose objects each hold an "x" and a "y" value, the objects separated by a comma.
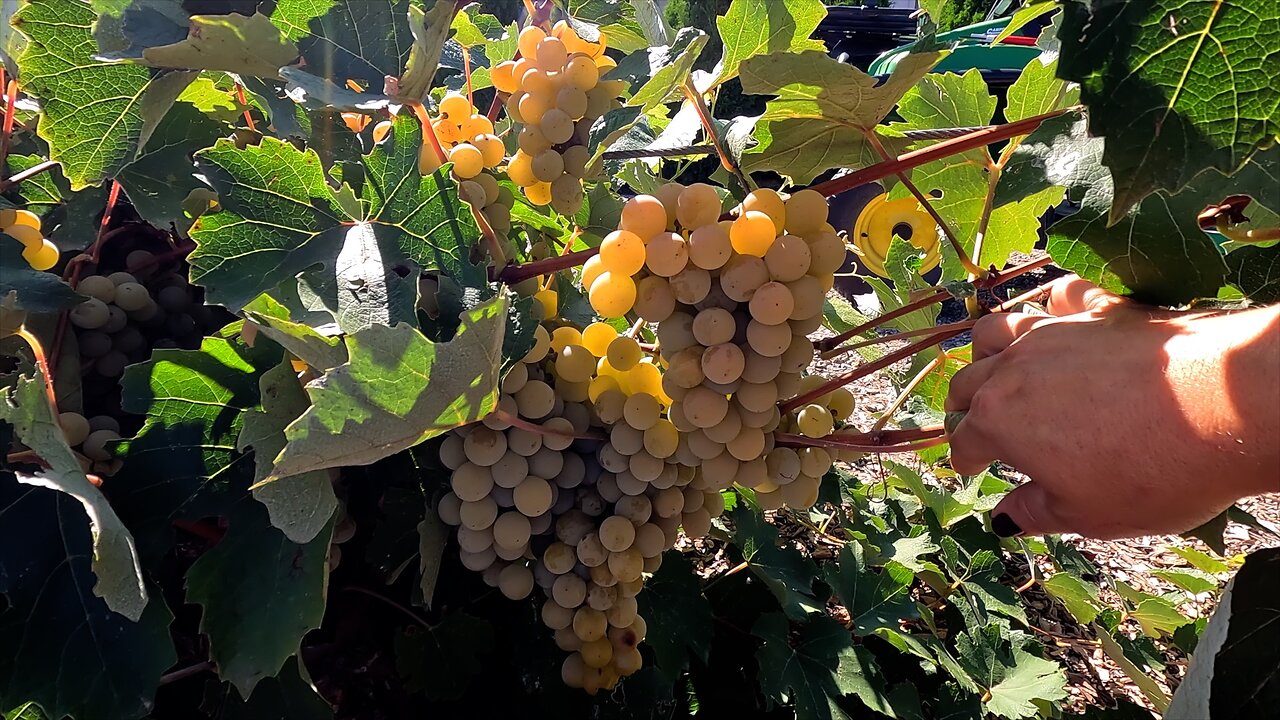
[
  {"x": 763, "y": 27},
  {"x": 241, "y": 44},
  {"x": 1014, "y": 678},
  {"x": 341, "y": 40},
  {"x": 874, "y": 598}
]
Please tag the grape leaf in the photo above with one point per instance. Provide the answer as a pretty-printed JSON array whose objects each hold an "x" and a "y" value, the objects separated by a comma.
[
  {"x": 1175, "y": 87},
  {"x": 1255, "y": 271},
  {"x": 288, "y": 696},
  {"x": 260, "y": 592},
  {"x": 299, "y": 505},
  {"x": 433, "y": 536},
  {"x": 31, "y": 290},
  {"x": 821, "y": 667},
  {"x": 1202, "y": 561},
  {"x": 1145, "y": 682},
  {"x": 442, "y": 659},
  {"x": 615, "y": 19},
  {"x": 340, "y": 40},
  {"x": 788, "y": 574},
  {"x": 94, "y": 114},
  {"x": 1193, "y": 581},
  {"x": 317, "y": 349},
  {"x": 1014, "y": 678},
  {"x": 751, "y": 28},
  {"x": 874, "y": 599},
  {"x": 65, "y": 649},
  {"x": 69, "y": 219},
  {"x": 430, "y": 28},
  {"x": 164, "y": 173},
  {"x": 234, "y": 43},
  {"x": 115, "y": 560},
  {"x": 280, "y": 216},
  {"x": 657, "y": 75},
  {"x": 823, "y": 111},
  {"x": 679, "y": 617},
  {"x": 379, "y": 402},
  {"x": 25, "y": 711},
  {"x": 317, "y": 93},
  {"x": 183, "y": 463},
  {"x": 977, "y": 575},
  {"x": 1079, "y": 597}
]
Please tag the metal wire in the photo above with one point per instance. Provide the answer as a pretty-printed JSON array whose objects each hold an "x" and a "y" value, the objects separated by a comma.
[{"x": 638, "y": 153}]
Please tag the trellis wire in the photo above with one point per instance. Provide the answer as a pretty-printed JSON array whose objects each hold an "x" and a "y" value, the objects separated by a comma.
[{"x": 687, "y": 150}]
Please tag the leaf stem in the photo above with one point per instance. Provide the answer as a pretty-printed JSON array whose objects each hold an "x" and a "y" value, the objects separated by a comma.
[
  {"x": 906, "y": 391},
  {"x": 10, "y": 112},
  {"x": 709, "y": 127},
  {"x": 969, "y": 141},
  {"x": 428, "y": 130},
  {"x": 43, "y": 364},
  {"x": 244, "y": 103},
  {"x": 923, "y": 199},
  {"x": 984, "y": 221},
  {"x": 988, "y": 282},
  {"x": 186, "y": 672},
  {"x": 961, "y": 325},
  {"x": 27, "y": 174},
  {"x": 365, "y": 591}
]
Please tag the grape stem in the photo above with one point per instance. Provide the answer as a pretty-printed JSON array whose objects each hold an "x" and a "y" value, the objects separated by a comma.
[
  {"x": 517, "y": 421},
  {"x": 969, "y": 141},
  {"x": 244, "y": 103},
  {"x": 516, "y": 273},
  {"x": 907, "y": 389},
  {"x": 389, "y": 601},
  {"x": 840, "y": 442},
  {"x": 10, "y": 112},
  {"x": 965, "y": 260},
  {"x": 43, "y": 364},
  {"x": 962, "y": 325},
  {"x": 428, "y": 130},
  {"x": 988, "y": 282},
  {"x": 27, "y": 174},
  {"x": 186, "y": 672}
]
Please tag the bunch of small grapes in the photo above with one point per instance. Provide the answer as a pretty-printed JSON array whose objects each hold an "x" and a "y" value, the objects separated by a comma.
[
  {"x": 734, "y": 302},
  {"x": 24, "y": 226},
  {"x": 344, "y": 528},
  {"x": 539, "y": 501},
  {"x": 555, "y": 95},
  {"x": 467, "y": 138},
  {"x": 88, "y": 438}
]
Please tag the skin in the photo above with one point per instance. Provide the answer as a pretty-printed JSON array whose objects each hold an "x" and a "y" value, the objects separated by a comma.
[{"x": 1130, "y": 420}]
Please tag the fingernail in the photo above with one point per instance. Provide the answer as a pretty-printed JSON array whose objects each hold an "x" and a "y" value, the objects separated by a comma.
[{"x": 1004, "y": 526}]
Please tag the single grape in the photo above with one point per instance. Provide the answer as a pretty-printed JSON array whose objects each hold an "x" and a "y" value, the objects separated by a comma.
[
  {"x": 768, "y": 340},
  {"x": 690, "y": 285},
  {"x": 789, "y": 259},
  {"x": 97, "y": 286},
  {"x": 516, "y": 582},
  {"x": 770, "y": 203},
  {"x": 772, "y": 304},
  {"x": 723, "y": 363},
  {"x": 807, "y": 297},
  {"x": 617, "y": 533},
  {"x": 511, "y": 530},
  {"x": 471, "y": 482},
  {"x": 534, "y": 105},
  {"x": 75, "y": 428},
  {"x": 641, "y": 411},
  {"x": 556, "y": 125},
  {"x": 467, "y": 160},
  {"x": 572, "y": 102},
  {"x": 704, "y": 407},
  {"x": 806, "y": 212},
  {"x": 42, "y": 256},
  {"x": 666, "y": 254},
  {"x": 131, "y": 296},
  {"x": 815, "y": 421},
  {"x": 597, "y": 336},
  {"x": 503, "y": 78},
  {"x": 581, "y": 73},
  {"x": 654, "y": 300},
  {"x": 94, "y": 445},
  {"x": 551, "y": 54},
  {"x": 535, "y": 399},
  {"x": 662, "y": 439},
  {"x": 478, "y": 515},
  {"x": 644, "y": 216},
  {"x": 714, "y": 326},
  {"x": 548, "y": 165},
  {"x": 698, "y": 206},
  {"x": 828, "y": 253},
  {"x": 30, "y": 237},
  {"x": 575, "y": 160},
  {"x": 624, "y": 352},
  {"x": 709, "y": 247},
  {"x": 612, "y": 294},
  {"x": 566, "y": 195},
  {"x": 752, "y": 234},
  {"x": 741, "y": 275},
  {"x": 538, "y": 193}
]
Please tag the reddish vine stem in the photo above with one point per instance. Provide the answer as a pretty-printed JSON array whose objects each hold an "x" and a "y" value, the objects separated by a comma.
[
  {"x": 517, "y": 421},
  {"x": 43, "y": 364},
  {"x": 495, "y": 107},
  {"x": 186, "y": 672},
  {"x": 961, "y": 325},
  {"x": 428, "y": 130},
  {"x": 244, "y": 103},
  {"x": 946, "y": 148},
  {"x": 27, "y": 174},
  {"x": 10, "y": 112},
  {"x": 516, "y": 273},
  {"x": 988, "y": 282},
  {"x": 788, "y": 440},
  {"x": 72, "y": 272}
]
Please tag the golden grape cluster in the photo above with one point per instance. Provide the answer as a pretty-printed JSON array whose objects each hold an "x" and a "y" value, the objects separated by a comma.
[
  {"x": 24, "y": 226},
  {"x": 555, "y": 95},
  {"x": 576, "y": 486}
]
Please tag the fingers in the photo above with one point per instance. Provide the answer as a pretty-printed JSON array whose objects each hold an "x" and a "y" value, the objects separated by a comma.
[
  {"x": 971, "y": 451},
  {"x": 1027, "y": 510},
  {"x": 1071, "y": 295},
  {"x": 993, "y": 333},
  {"x": 966, "y": 382}
]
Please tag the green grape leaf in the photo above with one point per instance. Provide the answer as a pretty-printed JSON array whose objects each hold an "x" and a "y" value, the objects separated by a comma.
[
  {"x": 65, "y": 650},
  {"x": 183, "y": 464},
  {"x": 260, "y": 592},
  {"x": 658, "y": 75},
  {"x": 1079, "y": 597},
  {"x": 287, "y": 696},
  {"x": 678, "y": 615},
  {"x": 874, "y": 599},
  {"x": 978, "y": 577},
  {"x": 234, "y": 43},
  {"x": 1157, "y": 616},
  {"x": 25, "y": 711},
  {"x": 788, "y": 574},
  {"x": 948, "y": 508},
  {"x": 1145, "y": 682},
  {"x": 823, "y": 112},
  {"x": 1174, "y": 86},
  {"x": 1202, "y": 561},
  {"x": 1024, "y": 15},
  {"x": 430, "y": 28},
  {"x": 319, "y": 350},
  {"x": 299, "y": 505},
  {"x": 115, "y": 560},
  {"x": 442, "y": 659},
  {"x": 1014, "y": 677},
  {"x": 433, "y": 537},
  {"x": 1255, "y": 271},
  {"x": 1193, "y": 581},
  {"x": 751, "y": 28},
  {"x": 24, "y": 288},
  {"x": 361, "y": 40},
  {"x": 379, "y": 402},
  {"x": 615, "y": 19},
  {"x": 818, "y": 669},
  {"x": 163, "y": 175},
  {"x": 69, "y": 219},
  {"x": 280, "y": 217},
  {"x": 94, "y": 114},
  {"x": 1039, "y": 90}
]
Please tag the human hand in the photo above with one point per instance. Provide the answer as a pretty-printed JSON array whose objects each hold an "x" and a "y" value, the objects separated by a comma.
[{"x": 1129, "y": 420}]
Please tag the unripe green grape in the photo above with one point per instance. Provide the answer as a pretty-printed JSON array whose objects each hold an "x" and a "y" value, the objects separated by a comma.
[
  {"x": 814, "y": 421},
  {"x": 131, "y": 296},
  {"x": 97, "y": 286}
]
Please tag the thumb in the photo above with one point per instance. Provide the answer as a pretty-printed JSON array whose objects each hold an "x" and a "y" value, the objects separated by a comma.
[{"x": 1027, "y": 510}]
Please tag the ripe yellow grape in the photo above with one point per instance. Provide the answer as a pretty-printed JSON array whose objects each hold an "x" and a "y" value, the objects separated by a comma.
[
  {"x": 491, "y": 149},
  {"x": 798, "y": 355},
  {"x": 814, "y": 461},
  {"x": 41, "y": 257},
  {"x": 535, "y": 399},
  {"x": 705, "y": 407},
  {"x": 532, "y": 141},
  {"x": 478, "y": 515},
  {"x": 752, "y": 234},
  {"x": 709, "y": 247},
  {"x": 575, "y": 160},
  {"x": 25, "y": 234},
  {"x": 520, "y": 169},
  {"x": 580, "y": 72},
  {"x": 723, "y": 363},
  {"x": 789, "y": 258},
  {"x": 691, "y": 285},
  {"x": 646, "y": 377},
  {"x": 572, "y": 102},
  {"x": 551, "y": 54},
  {"x": 772, "y": 304},
  {"x": 530, "y": 38},
  {"x": 503, "y": 77},
  {"x": 768, "y": 340},
  {"x": 624, "y": 353},
  {"x": 589, "y": 624},
  {"x": 566, "y": 194},
  {"x": 828, "y": 253},
  {"x": 534, "y": 106},
  {"x": 541, "y": 344},
  {"x": 622, "y": 252},
  {"x": 596, "y": 338},
  {"x": 666, "y": 254},
  {"x": 549, "y": 300},
  {"x": 612, "y": 294},
  {"x": 841, "y": 402},
  {"x": 768, "y": 202},
  {"x": 564, "y": 336},
  {"x": 556, "y": 125},
  {"x": 698, "y": 205},
  {"x": 569, "y": 590},
  {"x": 476, "y": 125},
  {"x": 626, "y": 565},
  {"x": 807, "y": 297},
  {"x": 591, "y": 269},
  {"x": 644, "y": 216},
  {"x": 547, "y": 165},
  {"x": 662, "y": 439},
  {"x": 596, "y": 654},
  {"x": 455, "y": 106},
  {"x": 814, "y": 421},
  {"x": 617, "y": 533},
  {"x": 533, "y": 496},
  {"x": 538, "y": 193},
  {"x": 654, "y": 300},
  {"x": 741, "y": 276},
  {"x": 575, "y": 364},
  {"x": 511, "y": 530},
  {"x": 471, "y": 482},
  {"x": 10, "y": 217},
  {"x": 669, "y": 195},
  {"x": 714, "y": 326},
  {"x": 641, "y": 411}
]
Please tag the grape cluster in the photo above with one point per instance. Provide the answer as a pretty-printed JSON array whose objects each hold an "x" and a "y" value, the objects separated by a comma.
[
  {"x": 88, "y": 437},
  {"x": 734, "y": 301},
  {"x": 555, "y": 95},
  {"x": 24, "y": 226},
  {"x": 576, "y": 485}
]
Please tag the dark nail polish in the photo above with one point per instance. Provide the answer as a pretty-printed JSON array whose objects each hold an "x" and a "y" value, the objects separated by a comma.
[{"x": 1004, "y": 526}]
